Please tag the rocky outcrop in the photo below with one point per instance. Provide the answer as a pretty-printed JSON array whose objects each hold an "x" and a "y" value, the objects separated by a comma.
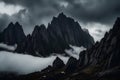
[
  {"x": 71, "y": 65},
  {"x": 58, "y": 63},
  {"x": 61, "y": 32}
]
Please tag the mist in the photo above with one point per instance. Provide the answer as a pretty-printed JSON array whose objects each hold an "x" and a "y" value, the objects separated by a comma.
[{"x": 24, "y": 64}]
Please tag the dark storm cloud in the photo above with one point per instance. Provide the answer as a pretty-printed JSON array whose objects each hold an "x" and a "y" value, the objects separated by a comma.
[
  {"x": 38, "y": 8},
  {"x": 86, "y": 11},
  {"x": 35, "y": 11},
  {"x": 104, "y": 11}
]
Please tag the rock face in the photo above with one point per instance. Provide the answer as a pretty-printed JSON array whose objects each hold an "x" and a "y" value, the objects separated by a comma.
[
  {"x": 58, "y": 63},
  {"x": 69, "y": 31},
  {"x": 13, "y": 34},
  {"x": 106, "y": 52},
  {"x": 100, "y": 62},
  {"x": 61, "y": 32},
  {"x": 71, "y": 65}
]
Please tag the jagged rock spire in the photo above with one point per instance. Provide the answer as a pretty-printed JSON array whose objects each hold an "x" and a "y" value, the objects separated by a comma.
[
  {"x": 61, "y": 15},
  {"x": 13, "y": 34}
]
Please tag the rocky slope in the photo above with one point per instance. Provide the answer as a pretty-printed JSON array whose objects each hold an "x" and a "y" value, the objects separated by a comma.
[
  {"x": 61, "y": 32},
  {"x": 101, "y": 62}
]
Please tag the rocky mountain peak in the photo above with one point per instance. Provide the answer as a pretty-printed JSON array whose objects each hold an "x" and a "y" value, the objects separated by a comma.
[
  {"x": 61, "y": 32},
  {"x": 61, "y": 15},
  {"x": 70, "y": 31},
  {"x": 17, "y": 24},
  {"x": 10, "y": 25},
  {"x": 116, "y": 27},
  {"x": 117, "y": 22},
  {"x": 42, "y": 26},
  {"x": 13, "y": 34},
  {"x": 38, "y": 29}
]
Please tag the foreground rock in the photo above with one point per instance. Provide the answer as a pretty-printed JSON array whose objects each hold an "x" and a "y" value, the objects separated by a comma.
[{"x": 58, "y": 63}]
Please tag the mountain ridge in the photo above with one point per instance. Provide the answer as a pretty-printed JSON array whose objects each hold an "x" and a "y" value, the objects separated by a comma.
[{"x": 60, "y": 33}]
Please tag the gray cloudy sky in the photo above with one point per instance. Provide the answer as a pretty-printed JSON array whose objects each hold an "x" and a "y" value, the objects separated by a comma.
[{"x": 96, "y": 15}]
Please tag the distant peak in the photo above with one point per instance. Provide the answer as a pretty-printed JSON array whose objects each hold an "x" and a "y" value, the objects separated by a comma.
[
  {"x": 36, "y": 27},
  {"x": 39, "y": 27},
  {"x": 61, "y": 15},
  {"x": 17, "y": 23},
  {"x": 117, "y": 24},
  {"x": 28, "y": 35},
  {"x": 18, "y": 26},
  {"x": 11, "y": 24},
  {"x": 42, "y": 26},
  {"x": 118, "y": 20}
]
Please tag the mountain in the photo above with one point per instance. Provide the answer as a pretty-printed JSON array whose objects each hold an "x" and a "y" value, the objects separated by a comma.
[
  {"x": 61, "y": 32},
  {"x": 69, "y": 31},
  {"x": 13, "y": 34},
  {"x": 100, "y": 62}
]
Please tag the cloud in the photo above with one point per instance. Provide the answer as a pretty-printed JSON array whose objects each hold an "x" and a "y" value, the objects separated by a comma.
[
  {"x": 35, "y": 12},
  {"x": 9, "y": 9},
  {"x": 102, "y": 11},
  {"x": 8, "y": 47},
  {"x": 83, "y": 10},
  {"x": 97, "y": 30},
  {"x": 24, "y": 64},
  {"x": 75, "y": 51},
  {"x": 86, "y": 12}
]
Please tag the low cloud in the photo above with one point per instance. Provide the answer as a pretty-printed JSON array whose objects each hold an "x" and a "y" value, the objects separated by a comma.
[
  {"x": 97, "y": 30},
  {"x": 24, "y": 64},
  {"x": 75, "y": 51},
  {"x": 8, "y": 47}
]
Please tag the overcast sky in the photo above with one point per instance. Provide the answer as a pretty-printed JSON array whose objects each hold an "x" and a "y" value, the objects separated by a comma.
[{"x": 96, "y": 15}]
